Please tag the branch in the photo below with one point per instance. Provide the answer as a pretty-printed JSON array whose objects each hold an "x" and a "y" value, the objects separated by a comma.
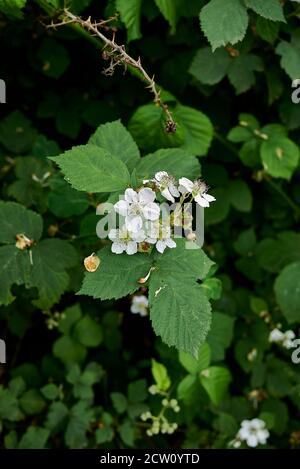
[{"x": 118, "y": 56}]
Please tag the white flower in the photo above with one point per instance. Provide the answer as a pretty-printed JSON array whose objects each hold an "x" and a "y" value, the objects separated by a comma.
[
  {"x": 139, "y": 305},
  {"x": 123, "y": 240},
  {"x": 165, "y": 239},
  {"x": 198, "y": 189},
  {"x": 286, "y": 339},
  {"x": 253, "y": 432},
  {"x": 136, "y": 207},
  {"x": 166, "y": 185},
  {"x": 276, "y": 336}
]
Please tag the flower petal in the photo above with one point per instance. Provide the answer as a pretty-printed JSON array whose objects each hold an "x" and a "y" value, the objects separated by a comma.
[
  {"x": 252, "y": 441},
  {"x": 131, "y": 196},
  {"x": 174, "y": 191},
  {"x": 160, "y": 246},
  {"x": 118, "y": 248},
  {"x": 170, "y": 243},
  {"x": 160, "y": 174},
  {"x": 113, "y": 234},
  {"x": 146, "y": 195},
  {"x": 133, "y": 223},
  {"x": 209, "y": 198},
  {"x": 151, "y": 211},
  {"x": 202, "y": 202},
  {"x": 131, "y": 248},
  {"x": 167, "y": 195},
  {"x": 187, "y": 184},
  {"x": 121, "y": 207}
]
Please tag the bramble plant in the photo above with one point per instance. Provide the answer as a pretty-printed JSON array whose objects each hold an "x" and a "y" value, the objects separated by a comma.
[{"x": 150, "y": 208}]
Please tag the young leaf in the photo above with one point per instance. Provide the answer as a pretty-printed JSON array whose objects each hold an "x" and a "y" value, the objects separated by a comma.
[
  {"x": 224, "y": 21},
  {"x": 160, "y": 374},
  {"x": 117, "y": 275},
  {"x": 117, "y": 141},
  {"x": 92, "y": 169}
]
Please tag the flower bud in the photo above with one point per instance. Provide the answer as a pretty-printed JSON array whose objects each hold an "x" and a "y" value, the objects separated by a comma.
[{"x": 91, "y": 263}]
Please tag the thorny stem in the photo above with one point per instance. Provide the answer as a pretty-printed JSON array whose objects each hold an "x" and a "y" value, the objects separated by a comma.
[{"x": 118, "y": 56}]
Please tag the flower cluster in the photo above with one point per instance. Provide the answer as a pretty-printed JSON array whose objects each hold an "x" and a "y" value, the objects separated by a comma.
[
  {"x": 160, "y": 423},
  {"x": 252, "y": 432},
  {"x": 285, "y": 339},
  {"x": 142, "y": 223},
  {"x": 139, "y": 305}
]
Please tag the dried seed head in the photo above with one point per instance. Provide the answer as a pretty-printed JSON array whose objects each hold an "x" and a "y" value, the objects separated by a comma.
[
  {"x": 22, "y": 242},
  {"x": 91, "y": 263},
  {"x": 170, "y": 127}
]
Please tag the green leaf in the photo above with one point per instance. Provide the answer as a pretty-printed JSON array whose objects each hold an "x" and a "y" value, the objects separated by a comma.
[
  {"x": 64, "y": 201},
  {"x": 180, "y": 312},
  {"x": 270, "y": 9},
  {"x": 17, "y": 133},
  {"x": 17, "y": 386},
  {"x": 287, "y": 290},
  {"x": 223, "y": 22},
  {"x": 88, "y": 332},
  {"x": 50, "y": 391},
  {"x": 193, "y": 263},
  {"x": 9, "y": 407},
  {"x": 117, "y": 275},
  {"x": 16, "y": 219},
  {"x": 160, "y": 375},
  {"x": 34, "y": 438},
  {"x": 220, "y": 335},
  {"x": 92, "y": 169},
  {"x": 240, "y": 195},
  {"x": 57, "y": 414},
  {"x": 130, "y": 12},
  {"x": 81, "y": 417},
  {"x": 119, "y": 402},
  {"x": 169, "y": 9},
  {"x": 32, "y": 402},
  {"x": 117, "y": 141},
  {"x": 104, "y": 434},
  {"x": 193, "y": 365},
  {"x": 69, "y": 318},
  {"x": 197, "y": 129},
  {"x": 194, "y": 129},
  {"x": 53, "y": 57},
  {"x": 210, "y": 67},
  {"x": 274, "y": 254},
  {"x": 175, "y": 161},
  {"x": 218, "y": 211},
  {"x": 68, "y": 350},
  {"x": 50, "y": 259},
  {"x": 14, "y": 270},
  {"x": 268, "y": 30},
  {"x": 215, "y": 381},
  {"x": 290, "y": 57},
  {"x": 241, "y": 71},
  {"x": 12, "y": 8},
  {"x": 280, "y": 156},
  {"x": 126, "y": 431},
  {"x": 186, "y": 387}
]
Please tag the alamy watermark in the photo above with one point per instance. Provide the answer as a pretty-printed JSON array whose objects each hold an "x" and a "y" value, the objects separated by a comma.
[
  {"x": 295, "y": 357},
  {"x": 295, "y": 96},
  {"x": 2, "y": 92}
]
